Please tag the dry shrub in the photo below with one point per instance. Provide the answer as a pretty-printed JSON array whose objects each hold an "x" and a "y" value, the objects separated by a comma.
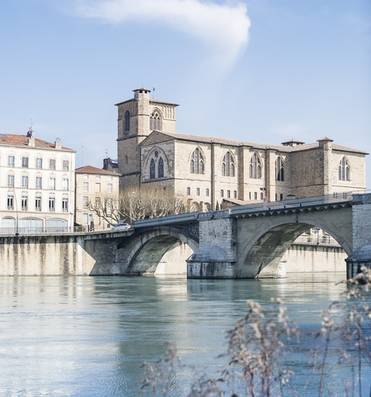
[{"x": 259, "y": 342}]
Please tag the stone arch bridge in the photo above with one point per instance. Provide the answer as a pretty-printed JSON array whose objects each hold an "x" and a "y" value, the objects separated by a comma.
[{"x": 235, "y": 243}]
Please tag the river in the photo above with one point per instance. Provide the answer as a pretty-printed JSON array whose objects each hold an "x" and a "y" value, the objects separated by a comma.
[{"x": 85, "y": 336}]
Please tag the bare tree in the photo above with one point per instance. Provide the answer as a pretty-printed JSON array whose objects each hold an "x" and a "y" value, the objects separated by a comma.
[{"x": 137, "y": 204}]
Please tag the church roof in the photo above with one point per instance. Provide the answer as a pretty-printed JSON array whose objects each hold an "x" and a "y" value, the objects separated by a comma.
[
  {"x": 88, "y": 169},
  {"x": 157, "y": 136},
  {"x": 23, "y": 141}
]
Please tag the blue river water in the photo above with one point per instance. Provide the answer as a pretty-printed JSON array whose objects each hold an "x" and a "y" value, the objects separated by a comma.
[{"x": 85, "y": 336}]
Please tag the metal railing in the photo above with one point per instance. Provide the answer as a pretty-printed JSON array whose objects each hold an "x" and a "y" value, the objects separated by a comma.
[{"x": 27, "y": 231}]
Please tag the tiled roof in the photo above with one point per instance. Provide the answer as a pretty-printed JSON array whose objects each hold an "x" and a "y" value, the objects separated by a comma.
[
  {"x": 23, "y": 140},
  {"x": 88, "y": 169},
  {"x": 281, "y": 148}
]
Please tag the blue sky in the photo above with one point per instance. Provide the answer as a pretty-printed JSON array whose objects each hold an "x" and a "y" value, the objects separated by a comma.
[{"x": 255, "y": 70}]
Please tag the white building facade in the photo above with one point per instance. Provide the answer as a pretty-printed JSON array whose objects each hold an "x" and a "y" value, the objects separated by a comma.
[
  {"x": 36, "y": 185},
  {"x": 95, "y": 187}
]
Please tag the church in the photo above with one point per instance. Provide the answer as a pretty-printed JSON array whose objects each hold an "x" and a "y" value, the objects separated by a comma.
[{"x": 211, "y": 172}]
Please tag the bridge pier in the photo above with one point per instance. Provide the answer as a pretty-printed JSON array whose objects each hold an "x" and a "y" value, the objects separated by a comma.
[
  {"x": 216, "y": 255},
  {"x": 361, "y": 233}
]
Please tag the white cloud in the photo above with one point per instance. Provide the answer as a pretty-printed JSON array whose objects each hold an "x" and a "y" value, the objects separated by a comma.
[{"x": 224, "y": 27}]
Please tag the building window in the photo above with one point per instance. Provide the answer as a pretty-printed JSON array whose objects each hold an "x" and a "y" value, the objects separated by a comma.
[
  {"x": 11, "y": 161},
  {"x": 66, "y": 184},
  {"x": 261, "y": 195},
  {"x": 52, "y": 204},
  {"x": 197, "y": 162},
  {"x": 52, "y": 164},
  {"x": 188, "y": 191},
  {"x": 24, "y": 202},
  {"x": 66, "y": 165},
  {"x": 280, "y": 170},
  {"x": 276, "y": 197},
  {"x": 198, "y": 191},
  {"x": 86, "y": 186},
  {"x": 228, "y": 165},
  {"x": 250, "y": 196},
  {"x": 97, "y": 187},
  {"x": 235, "y": 194},
  {"x": 110, "y": 188},
  {"x": 156, "y": 121},
  {"x": 344, "y": 170},
  {"x": 222, "y": 193},
  {"x": 52, "y": 183},
  {"x": 24, "y": 162},
  {"x": 38, "y": 203},
  {"x": 152, "y": 169},
  {"x": 255, "y": 195},
  {"x": 255, "y": 167},
  {"x": 10, "y": 180},
  {"x": 65, "y": 204},
  {"x": 85, "y": 201},
  {"x": 160, "y": 168},
  {"x": 24, "y": 182},
  {"x": 281, "y": 196},
  {"x": 39, "y": 163},
  {"x": 127, "y": 121},
  {"x": 39, "y": 182},
  {"x": 10, "y": 202},
  {"x": 228, "y": 193},
  {"x": 207, "y": 192}
]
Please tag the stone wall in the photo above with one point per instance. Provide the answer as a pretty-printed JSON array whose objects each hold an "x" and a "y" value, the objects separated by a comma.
[
  {"x": 217, "y": 249},
  {"x": 361, "y": 213},
  {"x": 308, "y": 258},
  {"x": 54, "y": 256}
]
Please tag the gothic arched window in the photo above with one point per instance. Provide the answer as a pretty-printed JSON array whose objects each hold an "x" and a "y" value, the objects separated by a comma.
[
  {"x": 344, "y": 170},
  {"x": 280, "y": 169},
  {"x": 152, "y": 169},
  {"x": 255, "y": 167},
  {"x": 228, "y": 165},
  {"x": 197, "y": 162},
  {"x": 156, "y": 121},
  {"x": 127, "y": 121},
  {"x": 160, "y": 168}
]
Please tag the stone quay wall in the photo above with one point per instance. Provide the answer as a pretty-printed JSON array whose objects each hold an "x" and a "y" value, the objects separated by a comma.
[
  {"x": 53, "y": 256},
  {"x": 73, "y": 255}
]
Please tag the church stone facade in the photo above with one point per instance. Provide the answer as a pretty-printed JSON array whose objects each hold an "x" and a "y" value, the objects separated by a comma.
[{"x": 208, "y": 172}]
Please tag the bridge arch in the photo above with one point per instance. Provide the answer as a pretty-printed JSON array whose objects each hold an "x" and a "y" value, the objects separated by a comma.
[
  {"x": 161, "y": 251},
  {"x": 265, "y": 242}
]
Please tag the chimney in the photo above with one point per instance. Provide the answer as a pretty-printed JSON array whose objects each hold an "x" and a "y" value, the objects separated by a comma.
[
  {"x": 141, "y": 93},
  {"x": 325, "y": 142},
  {"x": 30, "y": 138},
  {"x": 31, "y": 141},
  {"x": 58, "y": 144},
  {"x": 292, "y": 143}
]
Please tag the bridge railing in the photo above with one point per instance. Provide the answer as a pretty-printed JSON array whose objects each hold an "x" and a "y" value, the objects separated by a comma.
[
  {"x": 169, "y": 219},
  {"x": 248, "y": 208},
  {"x": 294, "y": 203}
]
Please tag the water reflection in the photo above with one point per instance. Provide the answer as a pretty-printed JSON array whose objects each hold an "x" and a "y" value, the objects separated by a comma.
[{"x": 88, "y": 336}]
